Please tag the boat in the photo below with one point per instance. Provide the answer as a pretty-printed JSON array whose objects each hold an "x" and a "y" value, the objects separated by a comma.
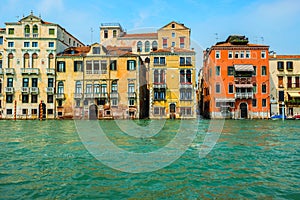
[
  {"x": 296, "y": 116},
  {"x": 275, "y": 117}
]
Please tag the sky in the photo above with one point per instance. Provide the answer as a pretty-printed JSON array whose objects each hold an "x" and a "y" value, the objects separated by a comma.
[{"x": 271, "y": 22}]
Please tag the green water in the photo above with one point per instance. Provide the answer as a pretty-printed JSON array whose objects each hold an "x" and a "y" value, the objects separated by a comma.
[{"x": 252, "y": 159}]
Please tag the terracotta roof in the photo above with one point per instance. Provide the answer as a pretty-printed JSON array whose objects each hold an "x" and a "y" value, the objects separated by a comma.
[
  {"x": 140, "y": 35},
  {"x": 176, "y": 50},
  {"x": 75, "y": 51},
  {"x": 118, "y": 50},
  {"x": 285, "y": 56},
  {"x": 228, "y": 44}
]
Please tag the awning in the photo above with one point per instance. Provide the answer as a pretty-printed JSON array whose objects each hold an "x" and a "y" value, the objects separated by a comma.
[
  {"x": 225, "y": 100},
  {"x": 244, "y": 68},
  {"x": 294, "y": 94},
  {"x": 243, "y": 85}
]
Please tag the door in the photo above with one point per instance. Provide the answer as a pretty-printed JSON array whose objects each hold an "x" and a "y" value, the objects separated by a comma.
[
  {"x": 93, "y": 112},
  {"x": 244, "y": 110}
]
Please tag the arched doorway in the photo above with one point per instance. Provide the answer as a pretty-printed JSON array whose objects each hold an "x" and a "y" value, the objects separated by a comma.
[
  {"x": 172, "y": 111},
  {"x": 93, "y": 112},
  {"x": 244, "y": 110}
]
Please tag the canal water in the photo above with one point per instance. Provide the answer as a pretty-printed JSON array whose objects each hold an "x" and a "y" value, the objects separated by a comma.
[{"x": 249, "y": 159}]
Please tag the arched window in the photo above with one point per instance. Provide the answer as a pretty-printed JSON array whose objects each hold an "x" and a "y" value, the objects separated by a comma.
[
  {"x": 26, "y": 60},
  {"x": 139, "y": 46},
  {"x": 182, "y": 76},
  {"x": 60, "y": 87},
  {"x": 162, "y": 76},
  {"x": 78, "y": 88},
  {"x": 35, "y": 30},
  {"x": 154, "y": 46},
  {"x": 27, "y": 30},
  {"x": 34, "y": 60},
  {"x": 50, "y": 61},
  {"x": 10, "y": 60},
  {"x": 188, "y": 76},
  {"x": 105, "y": 33},
  {"x": 147, "y": 46},
  {"x": 114, "y": 33}
]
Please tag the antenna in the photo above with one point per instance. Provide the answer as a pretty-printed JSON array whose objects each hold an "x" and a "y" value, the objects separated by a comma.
[
  {"x": 217, "y": 38},
  {"x": 92, "y": 30},
  {"x": 262, "y": 39}
]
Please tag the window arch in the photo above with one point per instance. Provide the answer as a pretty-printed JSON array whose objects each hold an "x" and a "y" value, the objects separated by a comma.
[
  {"x": 10, "y": 60},
  {"x": 34, "y": 60},
  {"x": 154, "y": 46},
  {"x": 50, "y": 60},
  {"x": 26, "y": 60},
  {"x": 35, "y": 30},
  {"x": 60, "y": 88},
  {"x": 139, "y": 46},
  {"x": 147, "y": 46},
  {"x": 78, "y": 88},
  {"x": 27, "y": 30}
]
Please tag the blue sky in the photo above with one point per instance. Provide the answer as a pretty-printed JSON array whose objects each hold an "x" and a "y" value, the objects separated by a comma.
[{"x": 272, "y": 22}]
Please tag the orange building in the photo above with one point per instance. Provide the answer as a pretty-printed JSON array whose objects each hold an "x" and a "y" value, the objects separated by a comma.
[{"x": 236, "y": 80}]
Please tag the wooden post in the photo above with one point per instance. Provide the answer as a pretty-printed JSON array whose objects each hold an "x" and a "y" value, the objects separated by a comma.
[
  {"x": 15, "y": 110},
  {"x": 41, "y": 111}
]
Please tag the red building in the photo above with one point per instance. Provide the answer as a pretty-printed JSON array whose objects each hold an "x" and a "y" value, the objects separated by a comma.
[{"x": 236, "y": 80}]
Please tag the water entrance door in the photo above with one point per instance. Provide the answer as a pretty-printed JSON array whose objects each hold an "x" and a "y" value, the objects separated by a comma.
[
  {"x": 93, "y": 112},
  {"x": 244, "y": 110}
]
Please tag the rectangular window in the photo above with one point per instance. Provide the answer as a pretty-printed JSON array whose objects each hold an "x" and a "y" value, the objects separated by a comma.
[
  {"x": 230, "y": 88},
  {"x": 289, "y": 83},
  {"x": 9, "y": 112},
  {"x": 254, "y": 102},
  {"x": 218, "y": 88},
  {"x": 51, "y": 44},
  {"x": 186, "y": 94},
  {"x": 236, "y": 54},
  {"x": 10, "y": 44},
  {"x": 77, "y": 66},
  {"x": 49, "y": 98},
  {"x": 51, "y": 31},
  {"x": 229, "y": 54},
  {"x": 254, "y": 71},
  {"x": 35, "y": 44},
  {"x": 25, "y": 98},
  {"x": 281, "y": 95},
  {"x": 96, "y": 50},
  {"x": 9, "y": 98},
  {"x": 113, "y": 65},
  {"x": 165, "y": 43},
  {"x": 263, "y": 54},
  {"x": 181, "y": 40},
  {"x": 10, "y": 82},
  {"x": 34, "y": 111},
  {"x": 24, "y": 111},
  {"x": 25, "y": 82},
  {"x": 254, "y": 88},
  {"x": 34, "y": 98},
  {"x": 280, "y": 81},
  {"x": 131, "y": 102},
  {"x": 26, "y": 44},
  {"x": 264, "y": 88},
  {"x": 218, "y": 56},
  {"x": 1, "y": 40},
  {"x": 217, "y": 70},
  {"x": 11, "y": 31},
  {"x": 289, "y": 65},
  {"x": 263, "y": 70},
  {"x": 34, "y": 82},
  {"x": 297, "y": 82},
  {"x": 247, "y": 54},
  {"x": 50, "y": 112},
  {"x": 131, "y": 65},
  {"x": 50, "y": 82},
  {"x": 61, "y": 66},
  {"x": 103, "y": 69},
  {"x": 173, "y": 44},
  {"x": 264, "y": 102},
  {"x": 242, "y": 54},
  {"x": 280, "y": 66},
  {"x": 230, "y": 71}
]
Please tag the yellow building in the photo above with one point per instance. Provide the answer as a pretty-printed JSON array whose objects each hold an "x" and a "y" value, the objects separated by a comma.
[
  {"x": 172, "y": 83},
  {"x": 285, "y": 84},
  {"x": 100, "y": 83},
  {"x": 27, "y": 60}
]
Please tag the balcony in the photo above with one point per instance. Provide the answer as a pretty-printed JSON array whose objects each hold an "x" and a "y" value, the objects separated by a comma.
[
  {"x": 114, "y": 95},
  {"x": 60, "y": 96},
  {"x": 244, "y": 95},
  {"x": 25, "y": 90},
  {"x": 29, "y": 71},
  {"x": 50, "y": 90},
  {"x": 78, "y": 95},
  {"x": 159, "y": 63},
  {"x": 243, "y": 80},
  {"x": 186, "y": 86},
  {"x": 9, "y": 90},
  {"x": 159, "y": 85},
  {"x": 131, "y": 95},
  {"x": 34, "y": 90},
  {"x": 9, "y": 71},
  {"x": 101, "y": 95},
  {"x": 50, "y": 71}
]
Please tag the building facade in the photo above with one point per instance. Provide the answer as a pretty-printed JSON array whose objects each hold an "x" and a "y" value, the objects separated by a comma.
[
  {"x": 172, "y": 83},
  {"x": 28, "y": 50},
  {"x": 236, "y": 80},
  {"x": 285, "y": 84},
  {"x": 98, "y": 82}
]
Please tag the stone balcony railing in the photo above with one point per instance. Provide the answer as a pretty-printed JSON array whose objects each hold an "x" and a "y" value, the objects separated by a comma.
[
  {"x": 30, "y": 71},
  {"x": 244, "y": 95}
]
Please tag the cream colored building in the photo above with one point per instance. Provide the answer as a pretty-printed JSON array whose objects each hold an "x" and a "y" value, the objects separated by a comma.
[
  {"x": 100, "y": 82},
  {"x": 28, "y": 51},
  {"x": 285, "y": 83}
]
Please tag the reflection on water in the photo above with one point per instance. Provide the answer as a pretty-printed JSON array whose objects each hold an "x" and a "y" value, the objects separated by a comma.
[{"x": 252, "y": 159}]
